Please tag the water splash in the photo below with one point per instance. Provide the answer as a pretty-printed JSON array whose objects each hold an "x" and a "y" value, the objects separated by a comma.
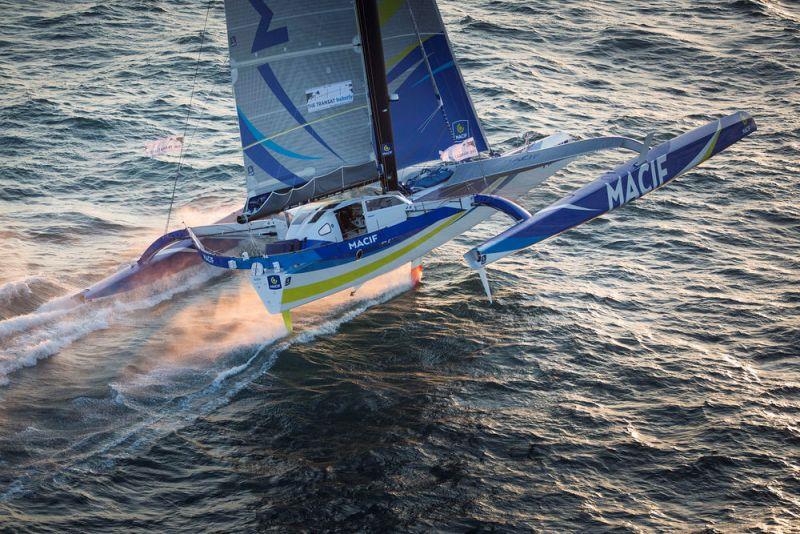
[
  {"x": 194, "y": 381},
  {"x": 28, "y": 338}
]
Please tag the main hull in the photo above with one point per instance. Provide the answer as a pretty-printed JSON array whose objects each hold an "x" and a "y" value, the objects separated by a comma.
[
  {"x": 284, "y": 291},
  {"x": 284, "y": 288}
]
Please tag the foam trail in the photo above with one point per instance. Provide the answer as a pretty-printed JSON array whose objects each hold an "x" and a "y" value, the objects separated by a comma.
[
  {"x": 28, "y": 321},
  {"x": 26, "y": 339},
  {"x": 233, "y": 371},
  {"x": 18, "y": 288},
  {"x": 34, "y": 348},
  {"x": 183, "y": 409},
  {"x": 64, "y": 302}
]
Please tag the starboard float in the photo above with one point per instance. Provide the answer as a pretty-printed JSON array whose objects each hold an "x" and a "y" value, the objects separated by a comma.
[{"x": 363, "y": 152}]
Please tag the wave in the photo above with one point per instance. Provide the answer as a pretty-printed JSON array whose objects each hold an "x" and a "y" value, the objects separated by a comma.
[
  {"x": 13, "y": 289},
  {"x": 21, "y": 297}
]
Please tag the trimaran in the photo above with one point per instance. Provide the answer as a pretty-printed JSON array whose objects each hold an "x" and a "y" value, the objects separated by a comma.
[{"x": 335, "y": 97}]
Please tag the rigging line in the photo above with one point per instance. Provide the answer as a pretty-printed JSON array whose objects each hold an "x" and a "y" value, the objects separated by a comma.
[
  {"x": 427, "y": 121},
  {"x": 430, "y": 73},
  {"x": 188, "y": 113}
]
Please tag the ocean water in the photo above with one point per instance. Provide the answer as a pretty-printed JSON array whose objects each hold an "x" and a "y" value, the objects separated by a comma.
[{"x": 639, "y": 373}]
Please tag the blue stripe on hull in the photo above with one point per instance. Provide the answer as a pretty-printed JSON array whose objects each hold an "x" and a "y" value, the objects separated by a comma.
[
  {"x": 622, "y": 185},
  {"x": 317, "y": 256}
]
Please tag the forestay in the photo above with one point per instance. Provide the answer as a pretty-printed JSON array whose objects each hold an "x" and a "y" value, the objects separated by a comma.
[
  {"x": 301, "y": 98},
  {"x": 433, "y": 110}
]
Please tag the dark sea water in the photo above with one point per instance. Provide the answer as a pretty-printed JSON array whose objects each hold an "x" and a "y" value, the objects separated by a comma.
[{"x": 639, "y": 373}]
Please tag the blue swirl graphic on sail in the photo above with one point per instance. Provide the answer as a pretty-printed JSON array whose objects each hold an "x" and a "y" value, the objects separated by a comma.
[
  {"x": 259, "y": 139},
  {"x": 252, "y": 141},
  {"x": 435, "y": 72},
  {"x": 276, "y": 88},
  {"x": 421, "y": 127}
]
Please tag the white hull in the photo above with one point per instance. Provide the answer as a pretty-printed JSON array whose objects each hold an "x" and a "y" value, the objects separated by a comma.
[{"x": 306, "y": 287}]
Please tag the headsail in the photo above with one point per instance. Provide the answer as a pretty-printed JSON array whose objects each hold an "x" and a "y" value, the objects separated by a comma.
[
  {"x": 301, "y": 98},
  {"x": 433, "y": 110}
]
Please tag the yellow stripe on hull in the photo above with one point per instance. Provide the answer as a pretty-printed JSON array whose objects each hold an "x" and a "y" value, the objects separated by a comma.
[{"x": 301, "y": 293}]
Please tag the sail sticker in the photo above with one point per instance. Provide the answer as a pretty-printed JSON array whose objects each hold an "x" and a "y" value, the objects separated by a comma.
[
  {"x": 460, "y": 151},
  {"x": 329, "y": 96},
  {"x": 386, "y": 149},
  {"x": 274, "y": 282},
  {"x": 167, "y": 145},
  {"x": 460, "y": 130}
]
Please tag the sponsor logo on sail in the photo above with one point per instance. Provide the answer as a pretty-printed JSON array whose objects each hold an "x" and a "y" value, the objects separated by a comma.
[
  {"x": 460, "y": 130},
  {"x": 329, "y": 96}
]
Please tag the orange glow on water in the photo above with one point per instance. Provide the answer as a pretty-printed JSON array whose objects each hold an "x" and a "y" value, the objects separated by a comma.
[
  {"x": 207, "y": 328},
  {"x": 416, "y": 275},
  {"x": 204, "y": 330}
]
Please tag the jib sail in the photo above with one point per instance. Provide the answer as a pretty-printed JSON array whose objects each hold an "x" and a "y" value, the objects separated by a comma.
[{"x": 432, "y": 110}]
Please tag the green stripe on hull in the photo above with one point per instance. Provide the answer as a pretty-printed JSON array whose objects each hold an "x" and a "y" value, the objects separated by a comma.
[{"x": 712, "y": 145}]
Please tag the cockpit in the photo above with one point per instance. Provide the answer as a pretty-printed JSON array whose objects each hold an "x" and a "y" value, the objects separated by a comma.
[{"x": 346, "y": 219}]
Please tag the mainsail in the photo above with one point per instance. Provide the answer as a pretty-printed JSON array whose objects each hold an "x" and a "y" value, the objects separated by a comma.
[
  {"x": 433, "y": 110},
  {"x": 301, "y": 98}
]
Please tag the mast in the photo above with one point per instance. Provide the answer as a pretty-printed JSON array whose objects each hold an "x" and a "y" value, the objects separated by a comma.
[{"x": 372, "y": 45}]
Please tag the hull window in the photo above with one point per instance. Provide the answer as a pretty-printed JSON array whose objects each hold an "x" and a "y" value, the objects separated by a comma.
[{"x": 383, "y": 202}]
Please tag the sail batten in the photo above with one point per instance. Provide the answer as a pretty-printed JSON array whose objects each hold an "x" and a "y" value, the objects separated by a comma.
[{"x": 256, "y": 62}]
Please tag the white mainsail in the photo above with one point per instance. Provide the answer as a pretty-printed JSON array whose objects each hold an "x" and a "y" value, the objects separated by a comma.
[{"x": 301, "y": 98}]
